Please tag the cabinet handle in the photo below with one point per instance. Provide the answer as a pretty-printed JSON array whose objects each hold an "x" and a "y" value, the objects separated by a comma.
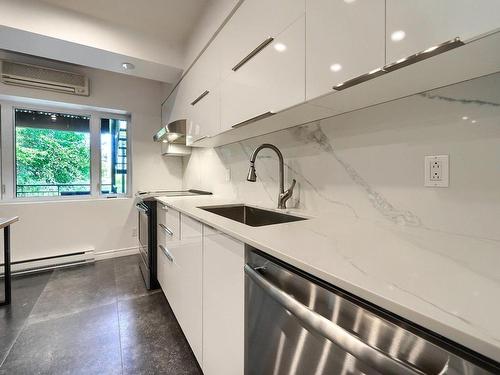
[
  {"x": 252, "y": 54},
  {"x": 359, "y": 79},
  {"x": 167, "y": 253},
  {"x": 429, "y": 52},
  {"x": 166, "y": 229},
  {"x": 205, "y": 93},
  {"x": 142, "y": 208},
  {"x": 401, "y": 63},
  {"x": 253, "y": 119}
]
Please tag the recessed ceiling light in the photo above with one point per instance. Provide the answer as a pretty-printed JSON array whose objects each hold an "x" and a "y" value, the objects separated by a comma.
[
  {"x": 335, "y": 67},
  {"x": 465, "y": 118},
  {"x": 349, "y": 1},
  {"x": 280, "y": 47},
  {"x": 474, "y": 121},
  {"x": 128, "y": 66},
  {"x": 398, "y": 35}
]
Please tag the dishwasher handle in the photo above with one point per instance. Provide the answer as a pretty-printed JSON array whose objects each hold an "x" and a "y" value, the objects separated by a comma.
[{"x": 318, "y": 324}]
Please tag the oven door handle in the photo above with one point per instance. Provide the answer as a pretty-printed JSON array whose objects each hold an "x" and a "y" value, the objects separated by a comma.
[
  {"x": 323, "y": 327},
  {"x": 141, "y": 208}
]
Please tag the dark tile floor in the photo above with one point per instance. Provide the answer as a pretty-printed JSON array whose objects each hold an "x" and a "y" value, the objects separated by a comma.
[{"x": 95, "y": 319}]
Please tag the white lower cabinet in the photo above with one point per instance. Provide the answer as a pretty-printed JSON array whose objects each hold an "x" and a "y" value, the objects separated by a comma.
[
  {"x": 202, "y": 276},
  {"x": 180, "y": 277},
  {"x": 223, "y": 304}
]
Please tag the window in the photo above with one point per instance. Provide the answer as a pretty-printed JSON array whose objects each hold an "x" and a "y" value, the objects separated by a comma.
[
  {"x": 114, "y": 156},
  {"x": 52, "y": 154},
  {"x": 55, "y": 153}
]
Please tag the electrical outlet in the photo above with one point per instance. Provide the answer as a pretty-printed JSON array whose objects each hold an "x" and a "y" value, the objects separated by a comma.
[
  {"x": 228, "y": 174},
  {"x": 134, "y": 232},
  {"x": 436, "y": 171}
]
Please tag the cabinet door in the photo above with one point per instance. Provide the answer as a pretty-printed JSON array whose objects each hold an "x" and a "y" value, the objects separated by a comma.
[
  {"x": 167, "y": 108},
  {"x": 344, "y": 39},
  {"x": 253, "y": 22},
  {"x": 204, "y": 120},
  {"x": 179, "y": 274},
  {"x": 180, "y": 108},
  {"x": 269, "y": 82},
  {"x": 187, "y": 266},
  {"x": 203, "y": 96},
  {"x": 413, "y": 26},
  {"x": 167, "y": 275},
  {"x": 223, "y": 304}
]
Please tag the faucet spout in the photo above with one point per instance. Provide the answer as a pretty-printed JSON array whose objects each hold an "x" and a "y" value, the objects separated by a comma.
[
  {"x": 283, "y": 195},
  {"x": 252, "y": 176}
]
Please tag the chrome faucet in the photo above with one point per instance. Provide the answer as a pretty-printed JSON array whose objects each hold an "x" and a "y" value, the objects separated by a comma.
[{"x": 252, "y": 176}]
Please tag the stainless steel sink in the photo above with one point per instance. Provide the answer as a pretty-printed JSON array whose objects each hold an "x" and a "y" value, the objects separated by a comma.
[{"x": 255, "y": 217}]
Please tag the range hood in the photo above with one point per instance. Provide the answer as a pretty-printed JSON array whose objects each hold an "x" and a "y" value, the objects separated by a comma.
[{"x": 173, "y": 137}]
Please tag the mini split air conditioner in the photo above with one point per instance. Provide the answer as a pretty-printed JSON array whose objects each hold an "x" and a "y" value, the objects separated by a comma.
[{"x": 39, "y": 77}]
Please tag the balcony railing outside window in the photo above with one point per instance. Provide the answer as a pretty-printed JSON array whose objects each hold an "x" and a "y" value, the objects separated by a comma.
[{"x": 55, "y": 190}]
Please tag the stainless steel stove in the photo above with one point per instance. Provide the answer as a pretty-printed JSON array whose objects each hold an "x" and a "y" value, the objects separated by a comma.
[{"x": 146, "y": 207}]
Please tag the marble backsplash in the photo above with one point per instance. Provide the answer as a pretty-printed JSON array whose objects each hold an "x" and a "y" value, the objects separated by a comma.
[{"x": 369, "y": 164}]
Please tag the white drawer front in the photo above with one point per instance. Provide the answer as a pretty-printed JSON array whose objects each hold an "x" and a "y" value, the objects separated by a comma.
[
  {"x": 166, "y": 275},
  {"x": 168, "y": 223}
]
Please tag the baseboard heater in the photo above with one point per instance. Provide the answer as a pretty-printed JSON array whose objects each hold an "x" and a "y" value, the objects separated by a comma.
[{"x": 51, "y": 262}]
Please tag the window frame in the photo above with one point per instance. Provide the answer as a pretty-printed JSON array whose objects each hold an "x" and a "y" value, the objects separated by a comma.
[
  {"x": 110, "y": 116},
  {"x": 9, "y": 157}
]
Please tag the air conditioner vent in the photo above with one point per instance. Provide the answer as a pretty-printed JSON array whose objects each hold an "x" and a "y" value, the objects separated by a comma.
[{"x": 44, "y": 78}]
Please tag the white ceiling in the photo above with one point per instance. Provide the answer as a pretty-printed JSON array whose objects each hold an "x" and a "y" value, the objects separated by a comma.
[{"x": 169, "y": 20}]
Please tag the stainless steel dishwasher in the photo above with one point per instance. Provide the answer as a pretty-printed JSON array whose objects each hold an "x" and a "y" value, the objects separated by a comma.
[{"x": 298, "y": 325}]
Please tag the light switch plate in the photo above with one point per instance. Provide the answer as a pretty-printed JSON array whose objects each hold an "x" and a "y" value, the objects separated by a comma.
[{"x": 437, "y": 171}]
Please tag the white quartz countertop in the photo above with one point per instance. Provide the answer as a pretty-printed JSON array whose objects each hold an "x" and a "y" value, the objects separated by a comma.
[
  {"x": 444, "y": 282},
  {"x": 6, "y": 221}
]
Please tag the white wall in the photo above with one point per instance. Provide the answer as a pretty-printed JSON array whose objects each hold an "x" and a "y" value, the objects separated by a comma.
[{"x": 52, "y": 228}]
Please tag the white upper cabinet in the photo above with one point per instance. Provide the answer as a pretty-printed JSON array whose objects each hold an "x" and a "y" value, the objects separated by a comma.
[
  {"x": 344, "y": 39},
  {"x": 276, "y": 54},
  {"x": 167, "y": 108},
  {"x": 204, "y": 115},
  {"x": 202, "y": 97},
  {"x": 414, "y": 26},
  {"x": 253, "y": 23},
  {"x": 177, "y": 102},
  {"x": 272, "y": 80}
]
